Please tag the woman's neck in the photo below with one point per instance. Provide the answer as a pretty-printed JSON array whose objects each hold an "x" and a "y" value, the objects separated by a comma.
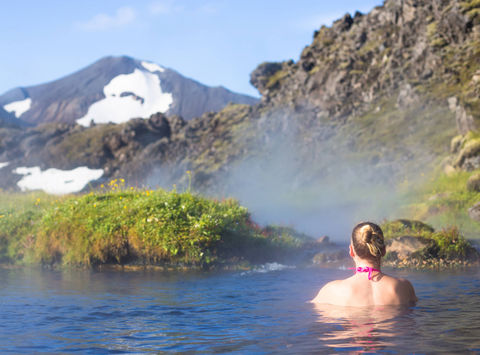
[{"x": 367, "y": 263}]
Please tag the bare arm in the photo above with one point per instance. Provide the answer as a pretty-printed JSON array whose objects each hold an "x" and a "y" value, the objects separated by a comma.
[
  {"x": 411, "y": 290},
  {"x": 407, "y": 291}
]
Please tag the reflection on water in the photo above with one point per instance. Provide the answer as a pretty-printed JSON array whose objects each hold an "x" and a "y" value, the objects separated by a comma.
[
  {"x": 228, "y": 312},
  {"x": 369, "y": 329}
]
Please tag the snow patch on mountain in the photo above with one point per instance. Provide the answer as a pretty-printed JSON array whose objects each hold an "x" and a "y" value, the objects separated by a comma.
[
  {"x": 152, "y": 67},
  {"x": 129, "y": 96},
  {"x": 19, "y": 107},
  {"x": 56, "y": 181},
  {"x": 2, "y": 165}
]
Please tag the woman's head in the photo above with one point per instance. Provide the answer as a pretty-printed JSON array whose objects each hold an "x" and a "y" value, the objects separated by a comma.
[{"x": 368, "y": 242}]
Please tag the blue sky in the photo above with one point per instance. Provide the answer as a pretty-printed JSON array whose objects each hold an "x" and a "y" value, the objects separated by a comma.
[{"x": 217, "y": 42}]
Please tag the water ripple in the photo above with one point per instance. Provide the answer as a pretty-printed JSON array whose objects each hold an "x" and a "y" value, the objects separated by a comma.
[{"x": 259, "y": 312}]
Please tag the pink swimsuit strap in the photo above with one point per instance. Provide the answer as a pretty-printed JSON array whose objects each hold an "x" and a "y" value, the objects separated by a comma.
[{"x": 365, "y": 269}]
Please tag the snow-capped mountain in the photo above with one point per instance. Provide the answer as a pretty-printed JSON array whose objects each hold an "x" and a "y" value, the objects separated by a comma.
[
  {"x": 116, "y": 89},
  {"x": 8, "y": 119}
]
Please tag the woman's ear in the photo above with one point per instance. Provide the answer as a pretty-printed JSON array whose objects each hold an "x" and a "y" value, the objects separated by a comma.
[{"x": 352, "y": 252}]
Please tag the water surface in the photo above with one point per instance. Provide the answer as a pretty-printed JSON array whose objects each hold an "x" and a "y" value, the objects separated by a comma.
[{"x": 263, "y": 311}]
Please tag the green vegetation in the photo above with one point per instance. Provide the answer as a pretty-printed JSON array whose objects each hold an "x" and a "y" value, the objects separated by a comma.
[
  {"x": 401, "y": 227},
  {"x": 471, "y": 8},
  {"x": 434, "y": 37},
  {"x": 276, "y": 78},
  {"x": 131, "y": 226},
  {"x": 86, "y": 141},
  {"x": 469, "y": 149},
  {"x": 446, "y": 247},
  {"x": 443, "y": 201}
]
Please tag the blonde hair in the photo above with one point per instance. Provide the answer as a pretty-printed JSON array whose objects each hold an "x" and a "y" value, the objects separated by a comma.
[{"x": 368, "y": 241}]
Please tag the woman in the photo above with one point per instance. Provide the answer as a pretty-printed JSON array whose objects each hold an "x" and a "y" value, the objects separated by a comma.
[{"x": 369, "y": 286}]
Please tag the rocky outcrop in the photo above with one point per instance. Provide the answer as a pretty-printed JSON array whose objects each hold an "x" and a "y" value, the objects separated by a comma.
[
  {"x": 403, "y": 247},
  {"x": 466, "y": 154},
  {"x": 390, "y": 51},
  {"x": 465, "y": 122},
  {"x": 474, "y": 212},
  {"x": 414, "y": 244},
  {"x": 473, "y": 183},
  {"x": 157, "y": 151}
]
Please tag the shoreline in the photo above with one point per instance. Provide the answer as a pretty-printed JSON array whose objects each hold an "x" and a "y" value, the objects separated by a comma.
[{"x": 432, "y": 266}]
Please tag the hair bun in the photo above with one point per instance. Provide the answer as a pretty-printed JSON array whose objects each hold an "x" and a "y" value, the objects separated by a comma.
[
  {"x": 368, "y": 241},
  {"x": 367, "y": 234}
]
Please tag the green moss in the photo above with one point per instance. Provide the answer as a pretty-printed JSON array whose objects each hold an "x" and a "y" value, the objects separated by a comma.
[
  {"x": 469, "y": 5},
  {"x": 356, "y": 72},
  {"x": 473, "y": 14},
  {"x": 438, "y": 42},
  {"x": 456, "y": 143},
  {"x": 470, "y": 148},
  {"x": 85, "y": 142},
  {"x": 276, "y": 78},
  {"x": 118, "y": 226},
  {"x": 432, "y": 30},
  {"x": 369, "y": 46},
  {"x": 402, "y": 227},
  {"x": 434, "y": 38}
]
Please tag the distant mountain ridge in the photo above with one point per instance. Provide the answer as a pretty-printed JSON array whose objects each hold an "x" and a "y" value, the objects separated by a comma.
[{"x": 71, "y": 98}]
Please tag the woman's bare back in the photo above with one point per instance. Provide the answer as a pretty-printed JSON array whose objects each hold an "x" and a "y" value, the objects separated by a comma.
[
  {"x": 359, "y": 291},
  {"x": 369, "y": 286}
]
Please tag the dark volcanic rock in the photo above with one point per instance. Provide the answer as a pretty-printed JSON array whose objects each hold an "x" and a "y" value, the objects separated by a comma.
[{"x": 260, "y": 77}]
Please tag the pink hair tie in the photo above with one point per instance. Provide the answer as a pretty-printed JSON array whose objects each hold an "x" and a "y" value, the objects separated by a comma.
[{"x": 365, "y": 269}]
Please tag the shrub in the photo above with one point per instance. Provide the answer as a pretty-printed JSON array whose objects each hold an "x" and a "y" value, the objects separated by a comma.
[{"x": 118, "y": 225}]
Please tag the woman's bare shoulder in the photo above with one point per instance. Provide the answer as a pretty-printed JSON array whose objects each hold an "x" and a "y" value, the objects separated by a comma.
[
  {"x": 402, "y": 288},
  {"x": 329, "y": 291},
  {"x": 408, "y": 290}
]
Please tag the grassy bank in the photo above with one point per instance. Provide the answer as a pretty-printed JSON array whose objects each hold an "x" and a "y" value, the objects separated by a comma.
[
  {"x": 118, "y": 225},
  {"x": 443, "y": 201},
  {"x": 445, "y": 197}
]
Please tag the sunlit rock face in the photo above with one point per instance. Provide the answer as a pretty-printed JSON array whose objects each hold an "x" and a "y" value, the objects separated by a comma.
[{"x": 116, "y": 89}]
